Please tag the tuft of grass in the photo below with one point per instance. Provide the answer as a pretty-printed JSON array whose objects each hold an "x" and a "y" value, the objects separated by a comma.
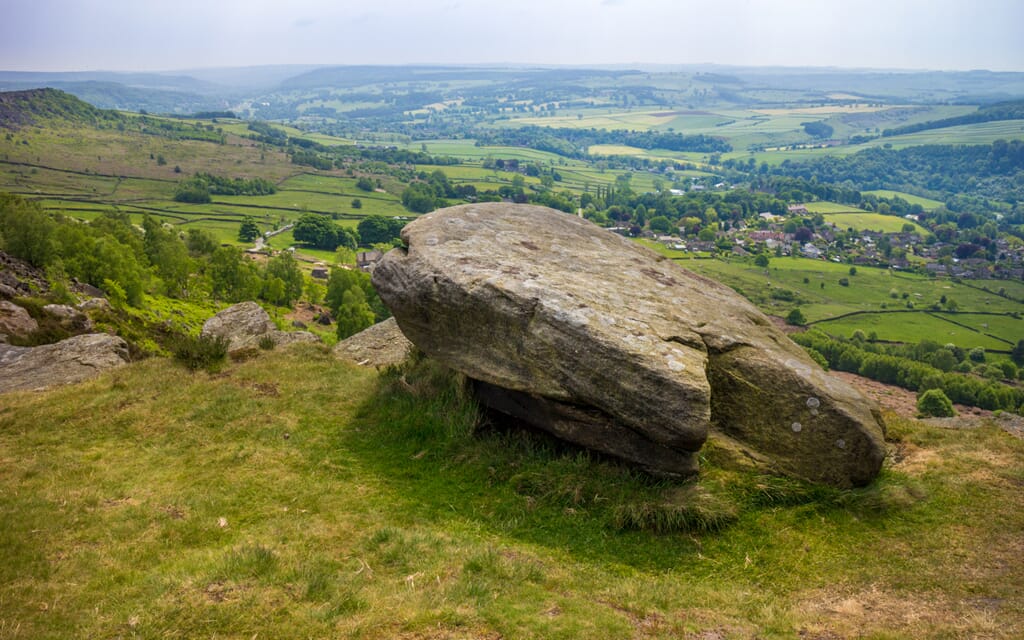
[
  {"x": 687, "y": 509},
  {"x": 248, "y": 561},
  {"x": 266, "y": 343}
]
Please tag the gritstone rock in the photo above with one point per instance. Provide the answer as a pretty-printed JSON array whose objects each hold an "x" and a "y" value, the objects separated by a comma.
[
  {"x": 245, "y": 324},
  {"x": 15, "y": 320},
  {"x": 380, "y": 345},
  {"x": 64, "y": 362},
  {"x": 578, "y": 331}
]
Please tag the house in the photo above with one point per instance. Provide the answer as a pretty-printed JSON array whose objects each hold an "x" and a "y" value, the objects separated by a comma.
[
  {"x": 366, "y": 260},
  {"x": 768, "y": 216},
  {"x": 811, "y": 251},
  {"x": 319, "y": 272},
  {"x": 797, "y": 209}
]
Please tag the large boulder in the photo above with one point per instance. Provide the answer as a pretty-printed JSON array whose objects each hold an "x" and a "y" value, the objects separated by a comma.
[
  {"x": 15, "y": 320},
  {"x": 64, "y": 362},
  {"x": 578, "y": 331},
  {"x": 246, "y": 324}
]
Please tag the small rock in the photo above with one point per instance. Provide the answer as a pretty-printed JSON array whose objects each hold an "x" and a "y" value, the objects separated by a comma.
[
  {"x": 94, "y": 303},
  {"x": 7, "y": 291},
  {"x": 380, "y": 345},
  {"x": 15, "y": 320},
  {"x": 245, "y": 324},
  {"x": 70, "y": 317}
]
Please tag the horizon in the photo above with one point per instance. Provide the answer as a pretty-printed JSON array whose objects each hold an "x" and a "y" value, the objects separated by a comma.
[
  {"x": 897, "y": 35},
  {"x": 624, "y": 66}
]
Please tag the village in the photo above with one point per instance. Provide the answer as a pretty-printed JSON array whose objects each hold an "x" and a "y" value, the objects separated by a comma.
[{"x": 907, "y": 250}]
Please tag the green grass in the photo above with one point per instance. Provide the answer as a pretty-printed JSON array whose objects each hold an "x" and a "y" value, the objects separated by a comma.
[
  {"x": 867, "y": 291},
  {"x": 297, "y": 496},
  {"x": 926, "y": 203},
  {"x": 916, "y": 326},
  {"x": 870, "y": 221}
]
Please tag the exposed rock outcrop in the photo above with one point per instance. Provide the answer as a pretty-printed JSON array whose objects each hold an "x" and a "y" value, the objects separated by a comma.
[
  {"x": 246, "y": 324},
  {"x": 15, "y": 321},
  {"x": 590, "y": 336},
  {"x": 64, "y": 362},
  {"x": 381, "y": 345},
  {"x": 69, "y": 317}
]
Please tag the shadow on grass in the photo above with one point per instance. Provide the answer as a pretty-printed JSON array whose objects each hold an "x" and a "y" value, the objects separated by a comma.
[{"x": 447, "y": 460}]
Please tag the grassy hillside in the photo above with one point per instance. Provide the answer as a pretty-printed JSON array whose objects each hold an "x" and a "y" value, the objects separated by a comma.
[{"x": 298, "y": 496}]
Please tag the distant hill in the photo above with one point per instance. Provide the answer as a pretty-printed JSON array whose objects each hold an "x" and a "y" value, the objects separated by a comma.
[
  {"x": 20, "y": 108},
  {"x": 1010, "y": 110}
]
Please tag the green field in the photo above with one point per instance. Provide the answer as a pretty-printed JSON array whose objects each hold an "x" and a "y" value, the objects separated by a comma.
[
  {"x": 868, "y": 290},
  {"x": 926, "y": 203},
  {"x": 916, "y": 326},
  {"x": 872, "y": 222}
]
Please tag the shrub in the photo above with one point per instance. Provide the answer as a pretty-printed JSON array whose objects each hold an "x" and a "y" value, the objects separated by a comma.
[
  {"x": 796, "y": 317},
  {"x": 977, "y": 354},
  {"x": 934, "y": 403},
  {"x": 200, "y": 352},
  {"x": 844, "y": 282}
]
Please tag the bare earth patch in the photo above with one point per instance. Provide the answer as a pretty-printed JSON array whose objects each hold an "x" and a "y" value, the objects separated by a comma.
[
  {"x": 896, "y": 399},
  {"x": 854, "y": 614}
]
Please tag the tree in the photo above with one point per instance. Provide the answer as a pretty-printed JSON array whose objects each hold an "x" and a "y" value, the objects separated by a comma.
[
  {"x": 375, "y": 228},
  {"x": 1017, "y": 354},
  {"x": 249, "y": 230},
  {"x": 935, "y": 403},
  {"x": 762, "y": 261},
  {"x": 796, "y": 317},
  {"x": 353, "y": 314},
  {"x": 943, "y": 359},
  {"x": 285, "y": 269},
  {"x": 660, "y": 224},
  {"x": 200, "y": 242},
  {"x": 26, "y": 230},
  {"x": 167, "y": 254},
  {"x": 420, "y": 198},
  {"x": 232, "y": 277},
  {"x": 318, "y": 231},
  {"x": 357, "y": 203},
  {"x": 364, "y": 183},
  {"x": 853, "y": 271},
  {"x": 194, "y": 190}
]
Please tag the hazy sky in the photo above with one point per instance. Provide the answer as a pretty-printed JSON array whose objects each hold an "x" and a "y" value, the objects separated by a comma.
[{"x": 71, "y": 35}]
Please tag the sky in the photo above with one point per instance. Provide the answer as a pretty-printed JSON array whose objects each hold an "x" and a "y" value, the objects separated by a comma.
[{"x": 161, "y": 35}]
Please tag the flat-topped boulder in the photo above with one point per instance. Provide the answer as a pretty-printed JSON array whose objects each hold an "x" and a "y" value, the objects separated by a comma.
[
  {"x": 73, "y": 360},
  {"x": 578, "y": 331}
]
